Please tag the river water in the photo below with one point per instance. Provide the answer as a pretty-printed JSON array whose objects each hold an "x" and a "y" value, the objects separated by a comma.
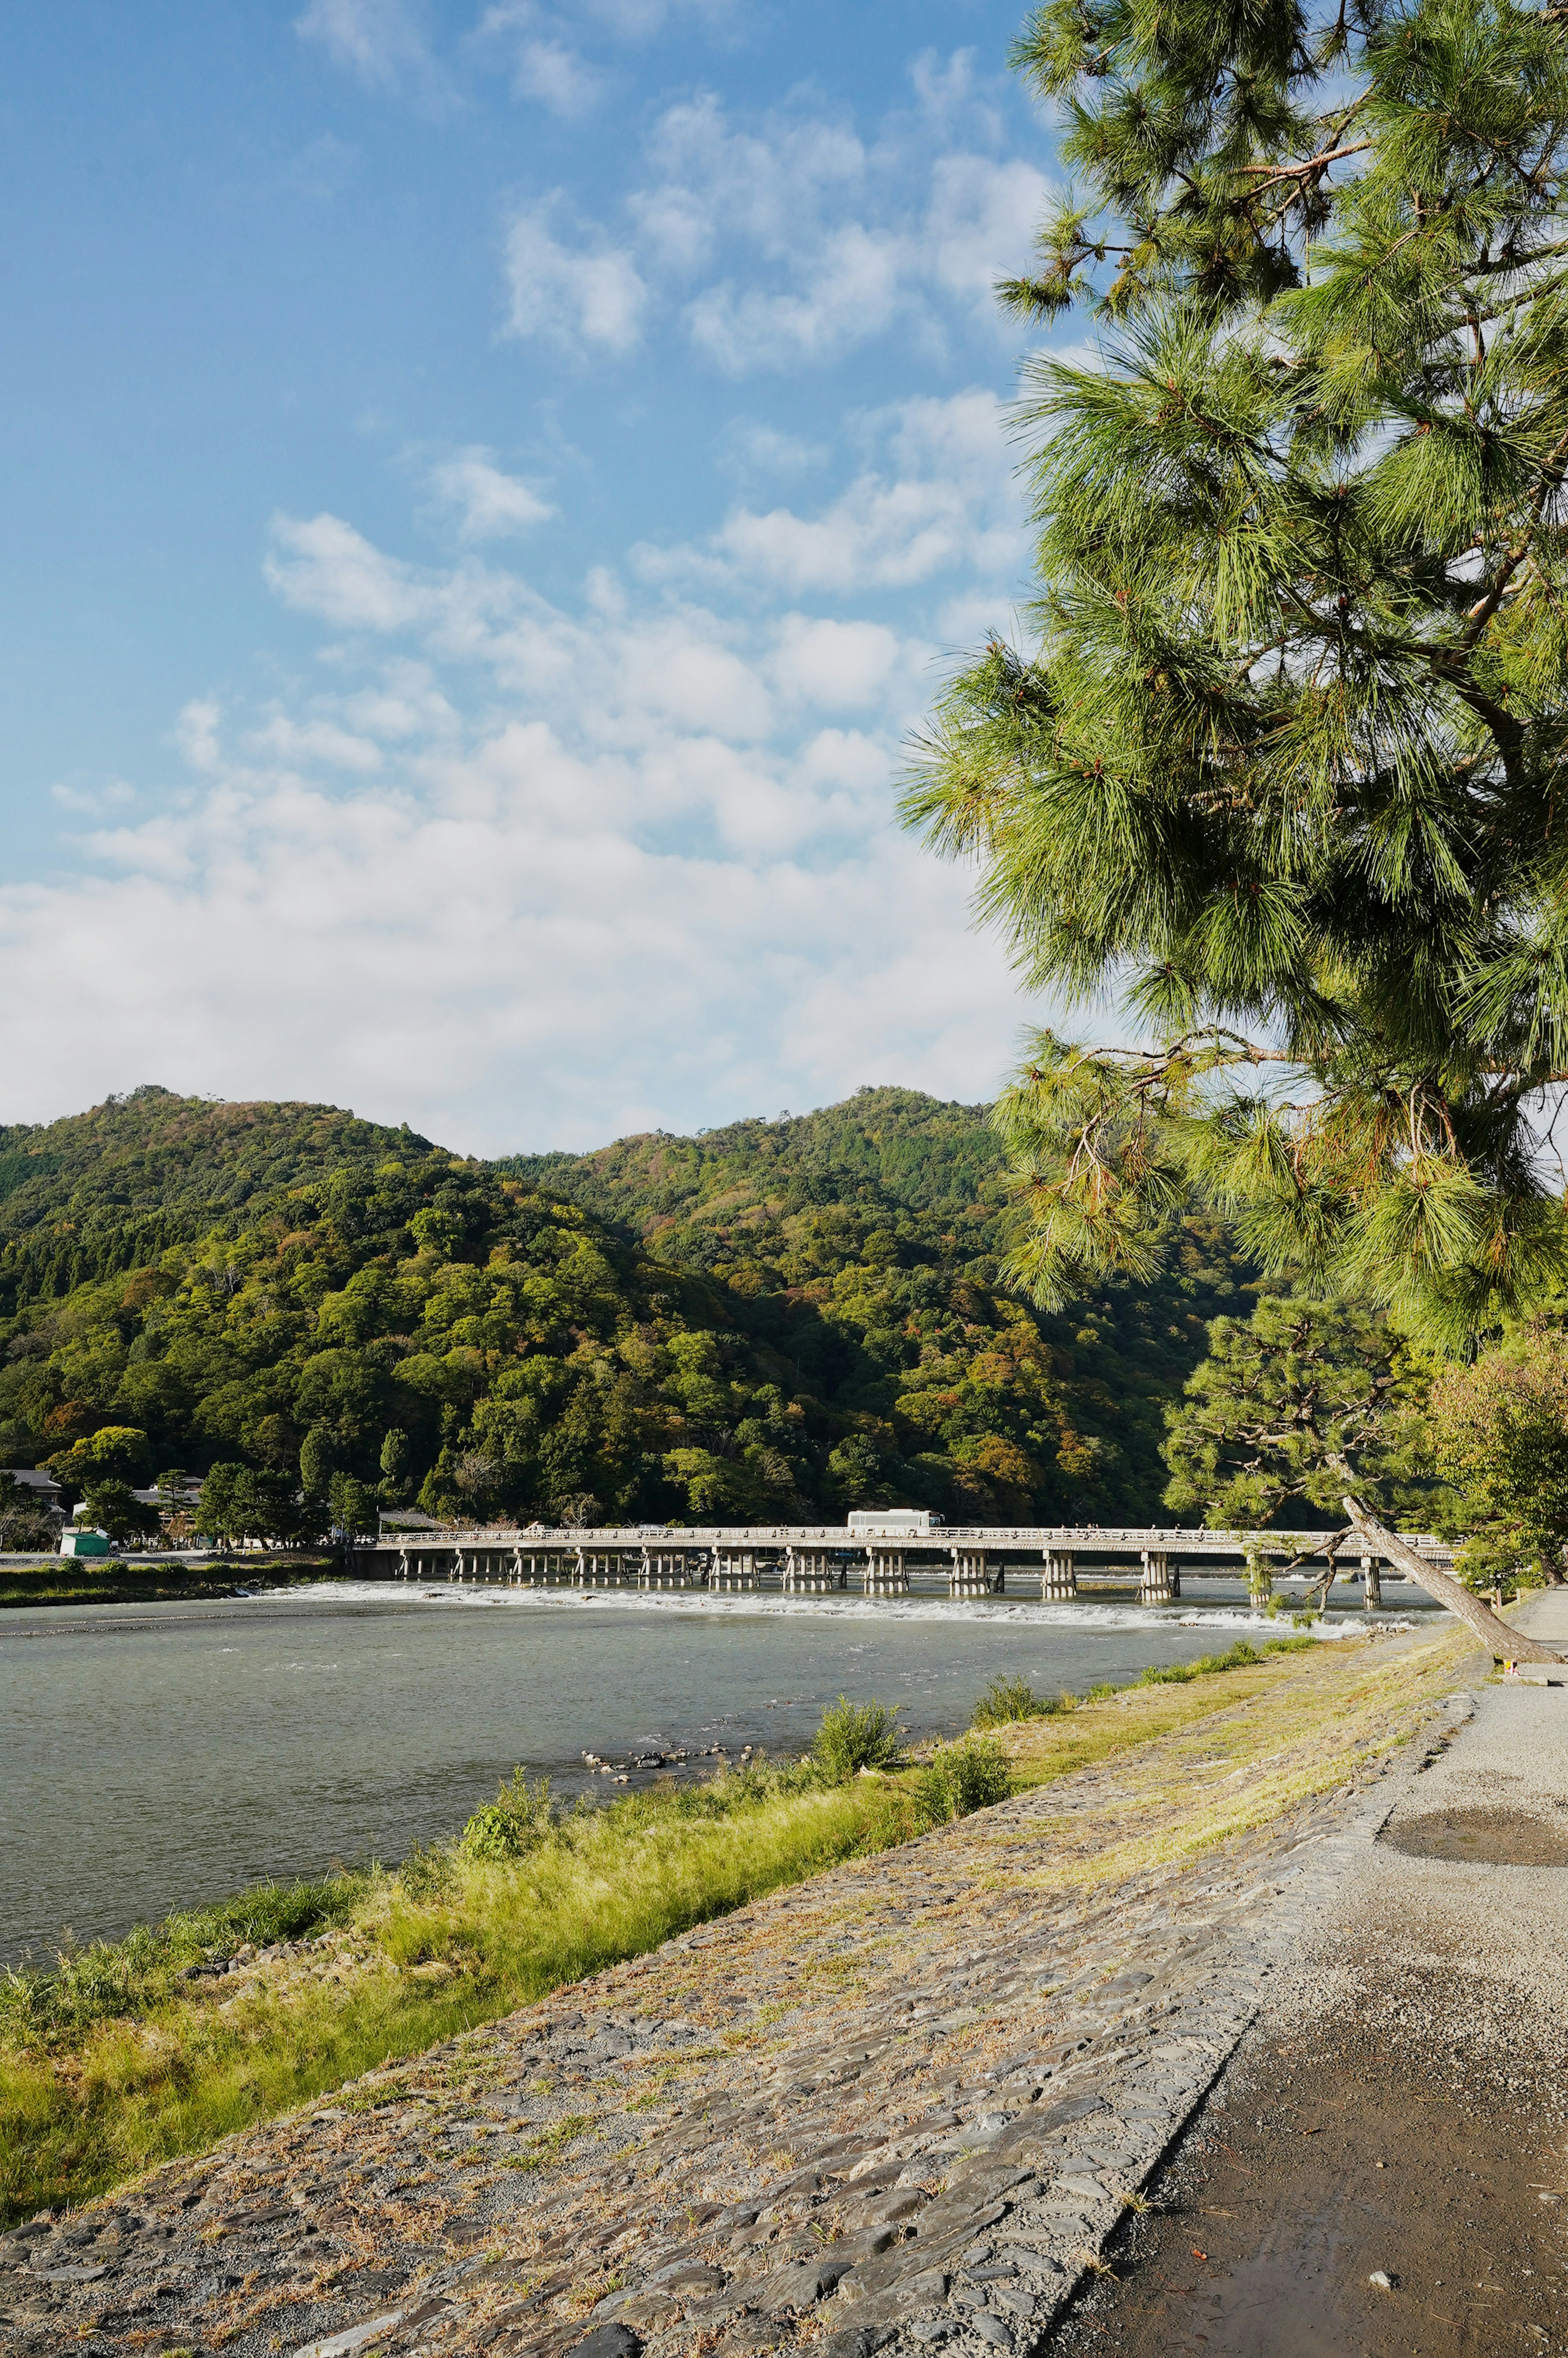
[{"x": 159, "y": 1757}]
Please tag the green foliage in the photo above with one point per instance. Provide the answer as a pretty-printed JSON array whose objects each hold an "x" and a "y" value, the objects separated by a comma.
[
  {"x": 1007, "y": 1701},
  {"x": 26, "y": 1528},
  {"x": 239, "y": 1502},
  {"x": 1304, "y": 1401},
  {"x": 829, "y": 1334},
  {"x": 1499, "y": 1433},
  {"x": 354, "y": 1507},
  {"x": 108, "y": 1980},
  {"x": 863, "y": 1245},
  {"x": 971, "y": 1774},
  {"x": 103, "y": 1193},
  {"x": 1279, "y": 760},
  {"x": 114, "y": 1509},
  {"x": 856, "y": 1736},
  {"x": 113, "y": 1453},
  {"x": 520, "y": 1816}
]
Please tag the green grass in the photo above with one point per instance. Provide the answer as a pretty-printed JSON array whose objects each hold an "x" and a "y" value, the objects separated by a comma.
[
  {"x": 110, "y": 2062},
  {"x": 1007, "y": 1702}
]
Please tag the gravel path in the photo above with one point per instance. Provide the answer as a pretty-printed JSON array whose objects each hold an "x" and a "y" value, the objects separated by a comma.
[
  {"x": 896, "y": 2107},
  {"x": 1383, "y": 2165}
]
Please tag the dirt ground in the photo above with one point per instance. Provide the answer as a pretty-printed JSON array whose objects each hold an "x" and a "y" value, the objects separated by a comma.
[{"x": 1363, "y": 2148}]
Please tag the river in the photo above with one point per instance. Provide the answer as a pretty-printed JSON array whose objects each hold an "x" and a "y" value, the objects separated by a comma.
[{"x": 163, "y": 1756}]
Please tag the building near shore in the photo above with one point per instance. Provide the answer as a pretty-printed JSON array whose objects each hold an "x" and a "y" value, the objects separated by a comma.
[{"x": 78, "y": 1541}]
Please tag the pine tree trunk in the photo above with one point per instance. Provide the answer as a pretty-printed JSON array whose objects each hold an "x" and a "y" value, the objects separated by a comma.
[{"x": 1500, "y": 1640}]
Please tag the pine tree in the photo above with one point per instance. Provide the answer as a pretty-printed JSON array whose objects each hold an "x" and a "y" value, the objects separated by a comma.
[{"x": 1279, "y": 766}]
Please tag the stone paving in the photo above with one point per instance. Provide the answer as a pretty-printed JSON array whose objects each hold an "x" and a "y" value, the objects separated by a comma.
[{"x": 896, "y": 2107}]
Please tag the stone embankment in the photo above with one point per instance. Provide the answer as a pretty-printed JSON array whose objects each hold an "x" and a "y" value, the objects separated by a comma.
[{"x": 897, "y": 2107}]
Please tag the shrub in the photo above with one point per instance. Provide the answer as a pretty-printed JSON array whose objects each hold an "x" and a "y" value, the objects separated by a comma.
[
  {"x": 1007, "y": 1701},
  {"x": 970, "y": 1774},
  {"x": 856, "y": 1736},
  {"x": 519, "y": 1817}
]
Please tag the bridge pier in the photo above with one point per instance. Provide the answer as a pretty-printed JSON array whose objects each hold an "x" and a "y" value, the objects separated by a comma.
[
  {"x": 735, "y": 1568},
  {"x": 1372, "y": 1583},
  {"x": 970, "y": 1575},
  {"x": 886, "y": 1572},
  {"x": 537, "y": 1567},
  {"x": 600, "y": 1568},
  {"x": 812, "y": 1571},
  {"x": 668, "y": 1568},
  {"x": 1159, "y": 1584},
  {"x": 1059, "y": 1576},
  {"x": 1260, "y": 1578}
]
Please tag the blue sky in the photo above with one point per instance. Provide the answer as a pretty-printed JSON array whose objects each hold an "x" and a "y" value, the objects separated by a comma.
[{"x": 489, "y": 490}]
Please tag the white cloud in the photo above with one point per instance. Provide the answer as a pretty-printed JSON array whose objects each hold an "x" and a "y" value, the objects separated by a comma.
[
  {"x": 287, "y": 739},
  {"x": 592, "y": 296},
  {"x": 492, "y": 504},
  {"x": 659, "y": 872},
  {"x": 329, "y": 568},
  {"x": 380, "y": 41},
  {"x": 789, "y": 242},
  {"x": 937, "y": 499},
  {"x": 980, "y": 223},
  {"x": 93, "y": 801},
  {"x": 837, "y": 666},
  {"x": 851, "y": 293},
  {"x": 751, "y": 446},
  {"x": 557, "y": 76}
]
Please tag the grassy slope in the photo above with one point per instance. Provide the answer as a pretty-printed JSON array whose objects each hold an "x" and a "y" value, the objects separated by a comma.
[{"x": 113, "y": 2065}]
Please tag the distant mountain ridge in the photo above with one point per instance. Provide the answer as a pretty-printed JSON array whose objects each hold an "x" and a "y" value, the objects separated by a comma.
[
  {"x": 769, "y": 1321},
  {"x": 722, "y": 1192},
  {"x": 150, "y": 1168}
]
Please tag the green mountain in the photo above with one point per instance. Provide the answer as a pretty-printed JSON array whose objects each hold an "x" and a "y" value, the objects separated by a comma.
[
  {"x": 865, "y": 1240},
  {"x": 104, "y": 1190},
  {"x": 778, "y": 1320}
]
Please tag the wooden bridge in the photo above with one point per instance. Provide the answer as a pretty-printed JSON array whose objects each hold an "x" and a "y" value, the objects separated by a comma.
[{"x": 876, "y": 1557}]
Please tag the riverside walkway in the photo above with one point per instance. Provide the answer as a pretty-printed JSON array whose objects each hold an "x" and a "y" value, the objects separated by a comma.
[{"x": 878, "y": 1556}]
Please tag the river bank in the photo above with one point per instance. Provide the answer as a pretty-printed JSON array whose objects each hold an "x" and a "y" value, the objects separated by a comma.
[
  {"x": 231, "y": 1735},
  {"x": 56, "y": 1580},
  {"x": 910, "y": 2040}
]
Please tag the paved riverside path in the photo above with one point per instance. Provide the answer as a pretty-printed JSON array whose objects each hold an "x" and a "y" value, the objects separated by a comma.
[
  {"x": 891, "y": 2108},
  {"x": 1383, "y": 2165}
]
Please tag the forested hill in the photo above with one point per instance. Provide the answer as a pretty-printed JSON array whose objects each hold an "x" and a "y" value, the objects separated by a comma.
[
  {"x": 866, "y": 1240},
  {"x": 719, "y": 1199},
  {"x": 779, "y": 1320},
  {"x": 101, "y": 1189}
]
